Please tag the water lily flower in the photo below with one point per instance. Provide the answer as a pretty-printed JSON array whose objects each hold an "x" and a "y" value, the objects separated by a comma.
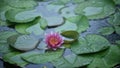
[{"x": 53, "y": 40}]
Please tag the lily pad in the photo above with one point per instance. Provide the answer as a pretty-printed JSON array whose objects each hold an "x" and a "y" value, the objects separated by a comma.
[
  {"x": 114, "y": 19},
  {"x": 23, "y": 4},
  {"x": 20, "y": 15},
  {"x": 21, "y": 28},
  {"x": 106, "y": 30},
  {"x": 15, "y": 58},
  {"x": 91, "y": 44},
  {"x": 67, "y": 26},
  {"x": 24, "y": 42},
  {"x": 43, "y": 23},
  {"x": 117, "y": 29},
  {"x": 4, "y": 46},
  {"x": 81, "y": 21},
  {"x": 117, "y": 2},
  {"x": 110, "y": 60},
  {"x": 79, "y": 62},
  {"x": 54, "y": 20},
  {"x": 70, "y": 36},
  {"x": 42, "y": 58},
  {"x": 35, "y": 29},
  {"x": 67, "y": 11},
  {"x": 96, "y": 9},
  {"x": 71, "y": 58},
  {"x": 60, "y": 2}
]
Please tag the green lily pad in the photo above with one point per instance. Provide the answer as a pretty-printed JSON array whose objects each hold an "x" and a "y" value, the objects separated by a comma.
[
  {"x": 91, "y": 44},
  {"x": 21, "y": 15},
  {"x": 78, "y": 1},
  {"x": 109, "y": 60},
  {"x": 23, "y": 4},
  {"x": 24, "y": 42},
  {"x": 96, "y": 9},
  {"x": 81, "y": 21},
  {"x": 98, "y": 63},
  {"x": 117, "y": 1},
  {"x": 4, "y": 35},
  {"x": 106, "y": 30},
  {"x": 54, "y": 20},
  {"x": 35, "y": 29},
  {"x": 61, "y": 63},
  {"x": 67, "y": 26},
  {"x": 21, "y": 28},
  {"x": 79, "y": 62},
  {"x": 15, "y": 58},
  {"x": 117, "y": 29},
  {"x": 67, "y": 11},
  {"x": 71, "y": 58},
  {"x": 60, "y": 2},
  {"x": 55, "y": 8},
  {"x": 70, "y": 36},
  {"x": 118, "y": 42},
  {"x": 114, "y": 19},
  {"x": 42, "y": 58},
  {"x": 43, "y": 23}
]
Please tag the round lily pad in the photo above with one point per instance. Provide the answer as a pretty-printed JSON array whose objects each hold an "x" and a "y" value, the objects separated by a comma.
[
  {"x": 24, "y": 42},
  {"x": 96, "y": 9},
  {"x": 23, "y": 4},
  {"x": 91, "y": 44},
  {"x": 20, "y": 15}
]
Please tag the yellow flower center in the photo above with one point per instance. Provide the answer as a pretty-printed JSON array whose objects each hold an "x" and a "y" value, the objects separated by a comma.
[{"x": 53, "y": 41}]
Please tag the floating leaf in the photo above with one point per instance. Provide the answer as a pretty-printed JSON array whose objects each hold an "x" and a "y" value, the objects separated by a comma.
[
  {"x": 43, "y": 23},
  {"x": 118, "y": 42},
  {"x": 54, "y": 20},
  {"x": 96, "y": 9},
  {"x": 117, "y": 1},
  {"x": 42, "y": 58},
  {"x": 117, "y": 29},
  {"x": 109, "y": 60},
  {"x": 106, "y": 30},
  {"x": 55, "y": 8},
  {"x": 114, "y": 19},
  {"x": 35, "y": 29},
  {"x": 21, "y": 28},
  {"x": 79, "y": 62},
  {"x": 91, "y": 44},
  {"x": 15, "y": 58},
  {"x": 67, "y": 11},
  {"x": 4, "y": 47},
  {"x": 24, "y": 42},
  {"x": 70, "y": 36},
  {"x": 71, "y": 58},
  {"x": 66, "y": 27},
  {"x": 21, "y": 15},
  {"x": 61, "y": 63},
  {"x": 60, "y": 2},
  {"x": 81, "y": 21},
  {"x": 23, "y": 4}
]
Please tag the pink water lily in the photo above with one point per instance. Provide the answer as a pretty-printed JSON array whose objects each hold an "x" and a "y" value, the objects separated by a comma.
[{"x": 53, "y": 40}]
